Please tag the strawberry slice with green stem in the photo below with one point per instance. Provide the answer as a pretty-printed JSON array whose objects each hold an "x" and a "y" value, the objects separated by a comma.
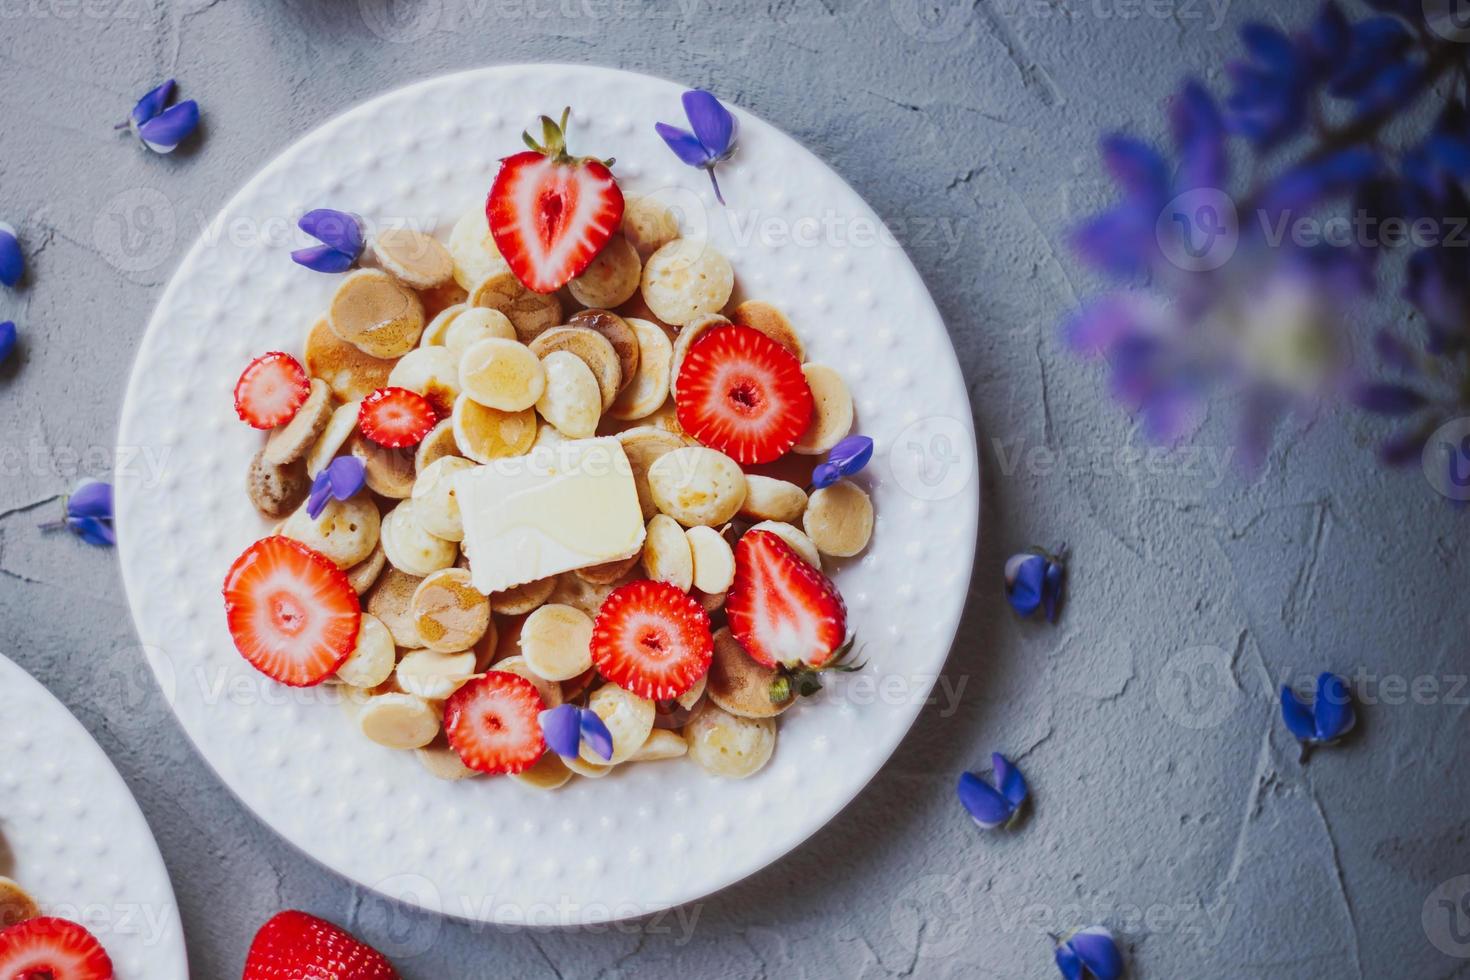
[
  {"x": 291, "y": 611},
  {"x": 294, "y": 946},
  {"x": 550, "y": 213},
  {"x": 742, "y": 393},
  {"x": 49, "y": 948},
  {"x": 787, "y": 615},
  {"x": 653, "y": 639}
]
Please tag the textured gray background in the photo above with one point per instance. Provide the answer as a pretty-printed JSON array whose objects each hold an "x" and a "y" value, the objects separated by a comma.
[{"x": 1170, "y": 803}]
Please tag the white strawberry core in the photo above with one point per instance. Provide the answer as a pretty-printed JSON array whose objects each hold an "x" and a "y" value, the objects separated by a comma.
[
  {"x": 559, "y": 213},
  {"x": 781, "y": 629}
]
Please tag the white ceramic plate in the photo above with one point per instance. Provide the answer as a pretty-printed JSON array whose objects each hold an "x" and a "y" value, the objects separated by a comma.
[
  {"x": 72, "y": 835},
  {"x": 656, "y": 834}
]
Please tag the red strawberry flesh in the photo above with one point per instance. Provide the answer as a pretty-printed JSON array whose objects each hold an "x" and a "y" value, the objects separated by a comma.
[
  {"x": 742, "y": 393},
  {"x": 396, "y": 417},
  {"x": 270, "y": 390},
  {"x": 291, "y": 612},
  {"x": 653, "y": 639},
  {"x": 295, "y": 946},
  {"x": 493, "y": 723},
  {"x": 48, "y": 948},
  {"x": 782, "y": 610}
]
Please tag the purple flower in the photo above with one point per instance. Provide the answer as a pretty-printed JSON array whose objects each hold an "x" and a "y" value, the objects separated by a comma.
[
  {"x": 340, "y": 234},
  {"x": 7, "y": 339},
  {"x": 88, "y": 514},
  {"x": 566, "y": 726},
  {"x": 158, "y": 125},
  {"x": 992, "y": 806},
  {"x": 847, "y": 458},
  {"x": 1090, "y": 952},
  {"x": 340, "y": 479},
  {"x": 12, "y": 261},
  {"x": 713, "y": 139},
  {"x": 1034, "y": 580},
  {"x": 1329, "y": 717}
]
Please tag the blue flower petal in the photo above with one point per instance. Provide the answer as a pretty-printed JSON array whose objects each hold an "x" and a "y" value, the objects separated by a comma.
[
  {"x": 712, "y": 123},
  {"x": 1009, "y": 779},
  {"x": 346, "y": 474},
  {"x": 1024, "y": 575},
  {"x": 7, "y": 339},
  {"x": 323, "y": 258},
  {"x": 1384, "y": 398},
  {"x": 12, "y": 260},
  {"x": 164, "y": 132},
  {"x": 1298, "y": 716},
  {"x": 852, "y": 454},
  {"x": 1199, "y": 133},
  {"x": 594, "y": 730},
  {"x": 824, "y": 475},
  {"x": 1137, "y": 167},
  {"x": 1098, "y": 952},
  {"x": 560, "y": 728},
  {"x": 986, "y": 806},
  {"x": 321, "y": 492},
  {"x": 91, "y": 498},
  {"x": 686, "y": 145},
  {"x": 93, "y": 530},
  {"x": 1333, "y": 708},
  {"x": 1069, "y": 963},
  {"x": 337, "y": 229},
  {"x": 151, "y": 104},
  {"x": 1051, "y": 590}
]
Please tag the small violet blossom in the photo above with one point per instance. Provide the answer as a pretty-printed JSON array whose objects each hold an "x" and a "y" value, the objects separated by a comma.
[
  {"x": 340, "y": 234},
  {"x": 88, "y": 511},
  {"x": 566, "y": 726},
  {"x": 846, "y": 458},
  {"x": 1034, "y": 580},
  {"x": 993, "y": 806},
  {"x": 1090, "y": 952},
  {"x": 713, "y": 139},
  {"x": 342, "y": 478},
  {"x": 7, "y": 340},
  {"x": 160, "y": 126},
  {"x": 12, "y": 262},
  {"x": 1329, "y": 717}
]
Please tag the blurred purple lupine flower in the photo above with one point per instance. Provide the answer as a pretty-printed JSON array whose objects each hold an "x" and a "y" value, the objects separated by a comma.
[
  {"x": 340, "y": 479},
  {"x": 12, "y": 260},
  {"x": 1223, "y": 295},
  {"x": 713, "y": 138},
  {"x": 88, "y": 514},
  {"x": 1034, "y": 580},
  {"x": 847, "y": 458},
  {"x": 340, "y": 234},
  {"x": 993, "y": 806},
  {"x": 566, "y": 726},
  {"x": 8, "y": 337},
  {"x": 1090, "y": 952},
  {"x": 160, "y": 126},
  {"x": 1329, "y": 718}
]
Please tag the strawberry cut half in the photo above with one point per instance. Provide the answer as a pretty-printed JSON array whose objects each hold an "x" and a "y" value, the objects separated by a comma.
[
  {"x": 270, "y": 390},
  {"x": 783, "y": 611},
  {"x": 493, "y": 723},
  {"x": 48, "y": 948},
  {"x": 396, "y": 417},
  {"x": 295, "y": 946},
  {"x": 550, "y": 213},
  {"x": 742, "y": 393},
  {"x": 291, "y": 611},
  {"x": 653, "y": 639}
]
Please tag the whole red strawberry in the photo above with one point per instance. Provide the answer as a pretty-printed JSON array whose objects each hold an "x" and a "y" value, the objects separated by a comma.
[
  {"x": 297, "y": 946},
  {"x": 550, "y": 213}
]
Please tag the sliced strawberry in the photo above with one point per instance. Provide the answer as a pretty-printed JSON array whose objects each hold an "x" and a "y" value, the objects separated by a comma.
[
  {"x": 653, "y": 639},
  {"x": 550, "y": 213},
  {"x": 295, "y": 946},
  {"x": 742, "y": 393},
  {"x": 291, "y": 611},
  {"x": 396, "y": 417},
  {"x": 52, "y": 949},
  {"x": 782, "y": 610},
  {"x": 270, "y": 390},
  {"x": 492, "y": 723}
]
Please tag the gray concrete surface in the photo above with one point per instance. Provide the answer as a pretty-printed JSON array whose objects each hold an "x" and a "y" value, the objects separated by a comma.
[{"x": 1170, "y": 802}]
